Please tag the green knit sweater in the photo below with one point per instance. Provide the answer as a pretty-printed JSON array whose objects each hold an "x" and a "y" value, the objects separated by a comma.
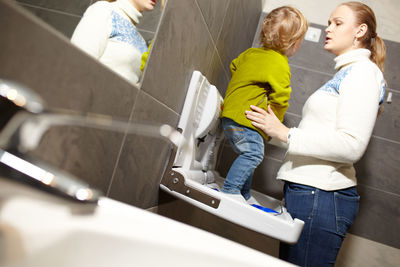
[{"x": 260, "y": 77}]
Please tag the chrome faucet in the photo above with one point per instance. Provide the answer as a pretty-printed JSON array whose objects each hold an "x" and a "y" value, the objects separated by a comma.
[{"x": 23, "y": 121}]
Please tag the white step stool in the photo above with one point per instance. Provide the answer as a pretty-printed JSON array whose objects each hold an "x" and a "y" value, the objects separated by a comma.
[{"x": 191, "y": 174}]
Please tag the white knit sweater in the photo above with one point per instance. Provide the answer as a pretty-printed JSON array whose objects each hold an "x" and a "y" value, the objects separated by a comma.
[
  {"x": 107, "y": 32},
  {"x": 336, "y": 125}
]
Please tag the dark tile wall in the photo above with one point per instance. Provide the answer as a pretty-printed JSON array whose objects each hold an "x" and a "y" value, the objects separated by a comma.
[
  {"x": 126, "y": 167},
  {"x": 142, "y": 159},
  {"x": 65, "y": 15},
  {"x": 202, "y": 35},
  {"x": 129, "y": 167},
  {"x": 189, "y": 40},
  {"x": 69, "y": 79},
  {"x": 377, "y": 171},
  {"x": 195, "y": 36}
]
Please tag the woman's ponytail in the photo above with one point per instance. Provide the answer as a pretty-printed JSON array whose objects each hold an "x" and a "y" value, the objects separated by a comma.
[
  {"x": 370, "y": 40},
  {"x": 378, "y": 52}
]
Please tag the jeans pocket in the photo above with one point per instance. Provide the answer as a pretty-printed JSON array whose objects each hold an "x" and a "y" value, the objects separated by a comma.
[
  {"x": 346, "y": 208},
  {"x": 299, "y": 200},
  {"x": 235, "y": 134},
  {"x": 299, "y": 188}
]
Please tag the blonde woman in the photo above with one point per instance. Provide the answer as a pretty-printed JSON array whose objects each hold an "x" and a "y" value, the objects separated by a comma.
[
  {"x": 107, "y": 31},
  {"x": 336, "y": 126}
]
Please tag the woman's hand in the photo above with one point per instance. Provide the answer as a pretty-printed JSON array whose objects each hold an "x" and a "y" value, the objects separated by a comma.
[{"x": 268, "y": 123}]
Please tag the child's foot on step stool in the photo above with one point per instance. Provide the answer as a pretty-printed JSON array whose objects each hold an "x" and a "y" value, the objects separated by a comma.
[
  {"x": 252, "y": 201},
  {"x": 237, "y": 197}
]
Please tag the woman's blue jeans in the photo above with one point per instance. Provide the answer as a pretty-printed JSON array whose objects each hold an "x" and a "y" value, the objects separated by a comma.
[
  {"x": 249, "y": 144},
  {"x": 327, "y": 216}
]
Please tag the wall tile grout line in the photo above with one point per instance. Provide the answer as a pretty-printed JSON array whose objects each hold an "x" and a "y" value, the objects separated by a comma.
[
  {"x": 273, "y": 159},
  {"x": 146, "y": 31},
  {"x": 393, "y": 90},
  {"x": 160, "y": 102},
  {"x": 121, "y": 147},
  {"x": 50, "y": 10},
  {"x": 380, "y": 190},
  {"x": 125, "y": 135},
  {"x": 205, "y": 22},
  {"x": 386, "y": 139},
  {"x": 294, "y": 114},
  {"x": 311, "y": 70},
  {"x": 211, "y": 37}
]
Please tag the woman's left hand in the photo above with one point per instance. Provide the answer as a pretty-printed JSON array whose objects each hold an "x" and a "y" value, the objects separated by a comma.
[{"x": 268, "y": 122}]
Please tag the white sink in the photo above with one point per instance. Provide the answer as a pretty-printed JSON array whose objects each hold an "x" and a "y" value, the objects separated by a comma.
[{"x": 39, "y": 229}]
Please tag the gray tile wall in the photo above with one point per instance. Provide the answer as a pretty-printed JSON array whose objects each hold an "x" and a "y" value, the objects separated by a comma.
[
  {"x": 66, "y": 78},
  {"x": 126, "y": 167},
  {"x": 129, "y": 167},
  {"x": 377, "y": 171},
  {"x": 190, "y": 38},
  {"x": 195, "y": 35},
  {"x": 202, "y": 35}
]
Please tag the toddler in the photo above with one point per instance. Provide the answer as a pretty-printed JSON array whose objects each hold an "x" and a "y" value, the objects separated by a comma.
[{"x": 260, "y": 77}]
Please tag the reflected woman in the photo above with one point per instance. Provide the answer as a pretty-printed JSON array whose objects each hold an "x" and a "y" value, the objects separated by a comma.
[{"x": 107, "y": 31}]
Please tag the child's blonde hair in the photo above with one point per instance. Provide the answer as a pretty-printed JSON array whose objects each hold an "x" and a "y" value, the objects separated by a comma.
[{"x": 282, "y": 28}]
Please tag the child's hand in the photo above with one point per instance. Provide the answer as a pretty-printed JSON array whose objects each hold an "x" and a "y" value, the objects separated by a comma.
[{"x": 267, "y": 122}]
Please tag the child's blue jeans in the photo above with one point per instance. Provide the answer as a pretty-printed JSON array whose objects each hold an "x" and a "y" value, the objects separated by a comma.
[
  {"x": 249, "y": 144},
  {"x": 327, "y": 216}
]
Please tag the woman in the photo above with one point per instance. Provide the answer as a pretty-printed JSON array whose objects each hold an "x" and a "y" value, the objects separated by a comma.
[
  {"x": 107, "y": 31},
  {"x": 336, "y": 125}
]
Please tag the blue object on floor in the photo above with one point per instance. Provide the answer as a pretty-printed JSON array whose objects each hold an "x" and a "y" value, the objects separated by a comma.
[{"x": 264, "y": 208}]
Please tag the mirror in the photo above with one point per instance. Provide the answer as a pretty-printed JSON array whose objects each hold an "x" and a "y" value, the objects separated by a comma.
[{"x": 64, "y": 16}]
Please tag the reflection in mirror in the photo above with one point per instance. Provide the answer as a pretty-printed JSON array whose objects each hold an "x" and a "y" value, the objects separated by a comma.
[
  {"x": 117, "y": 32},
  {"x": 24, "y": 121}
]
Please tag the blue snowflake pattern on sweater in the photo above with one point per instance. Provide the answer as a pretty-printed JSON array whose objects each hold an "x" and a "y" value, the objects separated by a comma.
[
  {"x": 332, "y": 86},
  {"x": 383, "y": 92},
  {"x": 123, "y": 30}
]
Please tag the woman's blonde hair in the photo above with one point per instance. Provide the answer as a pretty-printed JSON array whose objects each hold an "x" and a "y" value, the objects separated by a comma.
[
  {"x": 282, "y": 28},
  {"x": 370, "y": 40}
]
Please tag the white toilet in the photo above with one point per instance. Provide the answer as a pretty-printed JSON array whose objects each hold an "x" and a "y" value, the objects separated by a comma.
[{"x": 191, "y": 174}]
